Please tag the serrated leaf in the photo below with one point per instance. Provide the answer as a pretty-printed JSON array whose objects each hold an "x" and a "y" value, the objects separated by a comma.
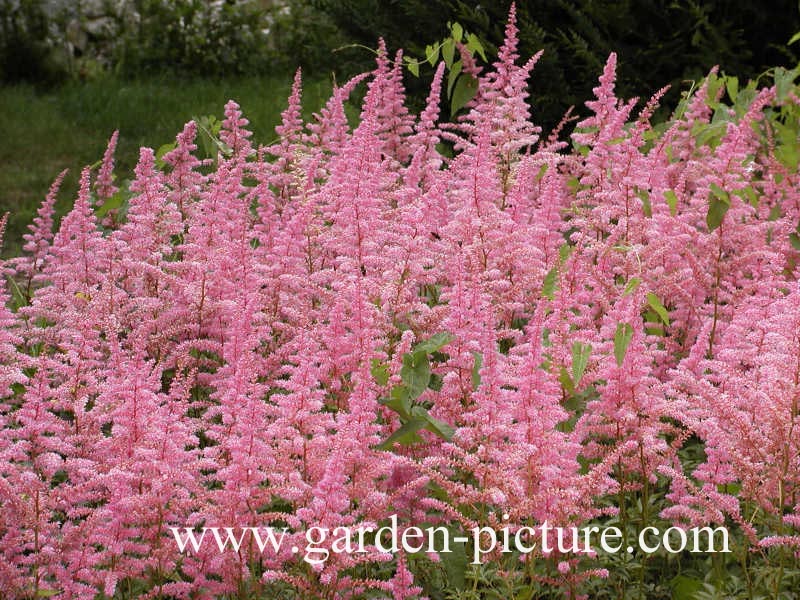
[
  {"x": 440, "y": 428},
  {"x": 565, "y": 380},
  {"x": 580, "y": 358},
  {"x": 379, "y": 371},
  {"x": 716, "y": 212},
  {"x": 549, "y": 284},
  {"x": 476, "y": 369},
  {"x": 474, "y": 45},
  {"x": 622, "y": 339},
  {"x": 455, "y": 562},
  {"x": 632, "y": 286},
  {"x": 432, "y": 54},
  {"x": 465, "y": 89},
  {"x": 672, "y": 201},
  {"x": 435, "y": 342},
  {"x": 656, "y": 304},
  {"x": 407, "y": 434},
  {"x": 415, "y": 373},
  {"x": 644, "y": 196},
  {"x": 448, "y": 52},
  {"x": 732, "y": 87}
]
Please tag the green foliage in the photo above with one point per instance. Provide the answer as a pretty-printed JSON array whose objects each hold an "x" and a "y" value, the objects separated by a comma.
[
  {"x": 193, "y": 36},
  {"x": 416, "y": 377},
  {"x": 658, "y": 42},
  {"x": 25, "y": 52}
]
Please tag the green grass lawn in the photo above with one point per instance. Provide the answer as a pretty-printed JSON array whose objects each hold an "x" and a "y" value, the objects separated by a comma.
[{"x": 44, "y": 132}]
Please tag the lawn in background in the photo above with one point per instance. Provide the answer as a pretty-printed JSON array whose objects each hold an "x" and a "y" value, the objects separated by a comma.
[{"x": 44, "y": 132}]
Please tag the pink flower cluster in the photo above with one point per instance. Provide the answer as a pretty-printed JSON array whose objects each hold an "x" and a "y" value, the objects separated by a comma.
[{"x": 222, "y": 353}]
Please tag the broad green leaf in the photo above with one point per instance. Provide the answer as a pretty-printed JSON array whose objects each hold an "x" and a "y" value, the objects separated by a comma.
[
  {"x": 580, "y": 358},
  {"x": 549, "y": 284},
  {"x": 455, "y": 562},
  {"x": 542, "y": 171},
  {"x": 399, "y": 401},
  {"x": 464, "y": 91},
  {"x": 432, "y": 54},
  {"x": 435, "y": 342},
  {"x": 380, "y": 372},
  {"x": 644, "y": 196},
  {"x": 732, "y": 87},
  {"x": 457, "y": 31},
  {"x": 718, "y": 205},
  {"x": 440, "y": 428},
  {"x": 672, "y": 201},
  {"x": 476, "y": 370},
  {"x": 656, "y": 304},
  {"x": 448, "y": 52},
  {"x": 413, "y": 68},
  {"x": 794, "y": 239},
  {"x": 564, "y": 252},
  {"x": 716, "y": 212},
  {"x": 794, "y": 39},
  {"x": 632, "y": 286},
  {"x": 474, "y": 45},
  {"x": 565, "y": 380},
  {"x": 685, "y": 588},
  {"x": 622, "y": 339},
  {"x": 455, "y": 71},
  {"x": 415, "y": 373},
  {"x": 407, "y": 434}
]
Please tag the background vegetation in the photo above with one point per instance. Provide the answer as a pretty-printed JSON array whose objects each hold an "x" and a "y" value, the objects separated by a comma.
[{"x": 66, "y": 85}]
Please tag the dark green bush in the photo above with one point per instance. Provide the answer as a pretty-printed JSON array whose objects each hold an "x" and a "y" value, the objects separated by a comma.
[{"x": 659, "y": 42}]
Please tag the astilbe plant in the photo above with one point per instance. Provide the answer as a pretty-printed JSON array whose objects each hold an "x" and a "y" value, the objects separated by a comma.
[{"x": 236, "y": 350}]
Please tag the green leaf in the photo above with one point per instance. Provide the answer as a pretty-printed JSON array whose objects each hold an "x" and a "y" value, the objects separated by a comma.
[
  {"x": 732, "y": 86},
  {"x": 415, "y": 373},
  {"x": 672, "y": 201},
  {"x": 542, "y": 171},
  {"x": 622, "y": 339},
  {"x": 407, "y": 434},
  {"x": 794, "y": 239},
  {"x": 549, "y": 284},
  {"x": 455, "y": 562},
  {"x": 476, "y": 370},
  {"x": 794, "y": 39},
  {"x": 464, "y": 91},
  {"x": 46, "y": 593},
  {"x": 565, "y": 380},
  {"x": 413, "y": 68},
  {"x": 457, "y": 31},
  {"x": 432, "y": 54},
  {"x": 718, "y": 205},
  {"x": 448, "y": 52},
  {"x": 474, "y": 45},
  {"x": 455, "y": 71},
  {"x": 163, "y": 150},
  {"x": 435, "y": 342},
  {"x": 399, "y": 401},
  {"x": 632, "y": 286},
  {"x": 716, "y": 212},
  {"x": 380, "y": 372},
  {"x": 656, "y": 304},
  {"x": 580, "y": 358},
  {"x": 440, "y": 428},
  {"x": 644, "y": 196},
  {"x": 685, "y": 588}
]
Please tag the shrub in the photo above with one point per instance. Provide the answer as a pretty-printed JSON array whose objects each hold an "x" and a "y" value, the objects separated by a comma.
[{"x": 348, "y": 324}]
